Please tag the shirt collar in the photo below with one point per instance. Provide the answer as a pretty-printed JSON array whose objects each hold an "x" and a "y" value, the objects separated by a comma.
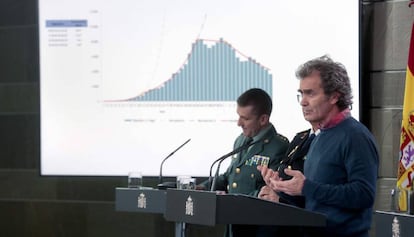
[
  {"x": 337, "y": 119},
  {"x": 314, "y": 132}
]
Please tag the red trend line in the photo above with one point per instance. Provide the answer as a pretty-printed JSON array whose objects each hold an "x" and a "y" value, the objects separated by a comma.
[{"x": 185, "y": 62}]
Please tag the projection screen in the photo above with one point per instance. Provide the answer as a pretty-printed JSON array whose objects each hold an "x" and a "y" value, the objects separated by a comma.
[{"x": 126, "y": 82}]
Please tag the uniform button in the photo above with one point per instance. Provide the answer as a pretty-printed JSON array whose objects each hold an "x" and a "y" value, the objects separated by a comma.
[
  {"x": 252, "y": 175},
  {"x": 237, "y": 170},
  {"x": 228, "y": 187},
  {"x": 234, "y": 185}
]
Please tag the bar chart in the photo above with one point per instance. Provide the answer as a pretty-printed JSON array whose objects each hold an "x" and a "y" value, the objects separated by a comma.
[{"x": 215, "y": 73}]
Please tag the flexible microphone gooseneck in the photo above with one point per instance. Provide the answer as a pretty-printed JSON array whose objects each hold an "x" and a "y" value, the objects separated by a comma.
[
  {"x": 212, "y": 180},
  {"x": 166, "y": 185}
]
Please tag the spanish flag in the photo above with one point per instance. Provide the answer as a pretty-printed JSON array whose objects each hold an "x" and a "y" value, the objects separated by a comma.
[{"x": 406, "y": 154}]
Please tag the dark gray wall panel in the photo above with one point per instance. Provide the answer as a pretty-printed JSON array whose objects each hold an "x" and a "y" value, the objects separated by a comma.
[
  {"x": 19, "y": 61},
  {"x": 20, "y": 144},
  {"x": 386, "y": 127},
  {"x": 391, "y": 30},
  {"x": 18, "y": 12},
  {"x": 19, "y": 98},
  {"x": 383, "y": 195},
  {"x": 387, "y": 89},
  {"x": 54, "y": 219}
]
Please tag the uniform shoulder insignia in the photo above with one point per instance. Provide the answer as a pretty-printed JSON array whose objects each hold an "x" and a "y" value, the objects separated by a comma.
[
  {"x": 304, "y": 131},
  {"x": 303, "y": 134},
  {"x": 282, "y": 137}
]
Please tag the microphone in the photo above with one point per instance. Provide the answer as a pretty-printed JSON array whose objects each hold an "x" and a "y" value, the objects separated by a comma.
[
  {"x": 221, "y": 159},
  {"x": 166, "y": 185}
]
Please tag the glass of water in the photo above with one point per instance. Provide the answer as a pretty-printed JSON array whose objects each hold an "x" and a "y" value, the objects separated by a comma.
[
  {"x": 134, "y": 179},
  {"x": 186, "y": 182}
]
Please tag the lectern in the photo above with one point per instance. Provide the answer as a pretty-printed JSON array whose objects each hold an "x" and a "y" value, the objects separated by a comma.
[
  {"x": 144, "y": 200},
  {"x": 209, "y": 208},
  {"x": 140, "y": 200},
  {"x": 393, "y": 224}
]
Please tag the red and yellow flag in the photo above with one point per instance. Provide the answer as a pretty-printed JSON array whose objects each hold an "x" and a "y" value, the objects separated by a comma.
[{"x": 406, "y": 156}]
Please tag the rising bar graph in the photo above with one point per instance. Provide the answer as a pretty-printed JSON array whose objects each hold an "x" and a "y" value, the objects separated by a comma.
[{"x": 213, "y": 71}]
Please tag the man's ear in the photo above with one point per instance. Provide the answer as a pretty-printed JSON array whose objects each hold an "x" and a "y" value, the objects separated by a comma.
[
  {"x": 264, "y": 119},
  {"x": 334, "y": 98}
]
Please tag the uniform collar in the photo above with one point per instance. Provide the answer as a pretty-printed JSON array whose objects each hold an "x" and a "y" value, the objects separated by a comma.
[{"x": 262, "y": 133}]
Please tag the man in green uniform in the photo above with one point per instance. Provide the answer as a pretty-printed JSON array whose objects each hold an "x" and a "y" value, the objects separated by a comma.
[{"x": 268, "y": 148}]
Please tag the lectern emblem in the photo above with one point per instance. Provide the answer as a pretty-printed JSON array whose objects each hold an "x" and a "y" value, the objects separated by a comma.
[
  {"x": 142, "y": 201},
  {"x": 189, "y": 206},
  {"x": 395, "y": 227}
]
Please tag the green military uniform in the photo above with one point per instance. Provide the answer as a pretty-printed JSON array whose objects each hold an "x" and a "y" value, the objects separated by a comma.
[{"x": 242, "y": 175}]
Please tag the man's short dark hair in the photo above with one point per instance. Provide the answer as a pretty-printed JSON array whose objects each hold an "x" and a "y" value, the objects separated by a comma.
[{"x": 258, "y": 98}]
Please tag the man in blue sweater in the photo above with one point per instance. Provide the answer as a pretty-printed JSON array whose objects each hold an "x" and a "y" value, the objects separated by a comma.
[{"x": 341, "y": 166}]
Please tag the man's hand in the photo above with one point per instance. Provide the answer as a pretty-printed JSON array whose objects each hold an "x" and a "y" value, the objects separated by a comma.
[
  {"x": 267, "y": 193},
  {"x": 292, "y": 187},
  {"x": 268, "y": 174}
]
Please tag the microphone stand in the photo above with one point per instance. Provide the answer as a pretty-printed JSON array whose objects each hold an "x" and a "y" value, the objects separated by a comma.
[
  {"x": 212, "y": 180},
  {"x": 213, "y": 184},
  {"x": 165, "y": 185}
]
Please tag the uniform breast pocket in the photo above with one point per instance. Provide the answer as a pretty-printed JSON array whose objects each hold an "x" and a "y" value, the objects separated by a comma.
[{"x": 252, "y": 176}]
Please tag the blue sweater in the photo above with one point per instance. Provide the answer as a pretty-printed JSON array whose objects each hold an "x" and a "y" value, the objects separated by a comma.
[{"x": 341, "y": 172}]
